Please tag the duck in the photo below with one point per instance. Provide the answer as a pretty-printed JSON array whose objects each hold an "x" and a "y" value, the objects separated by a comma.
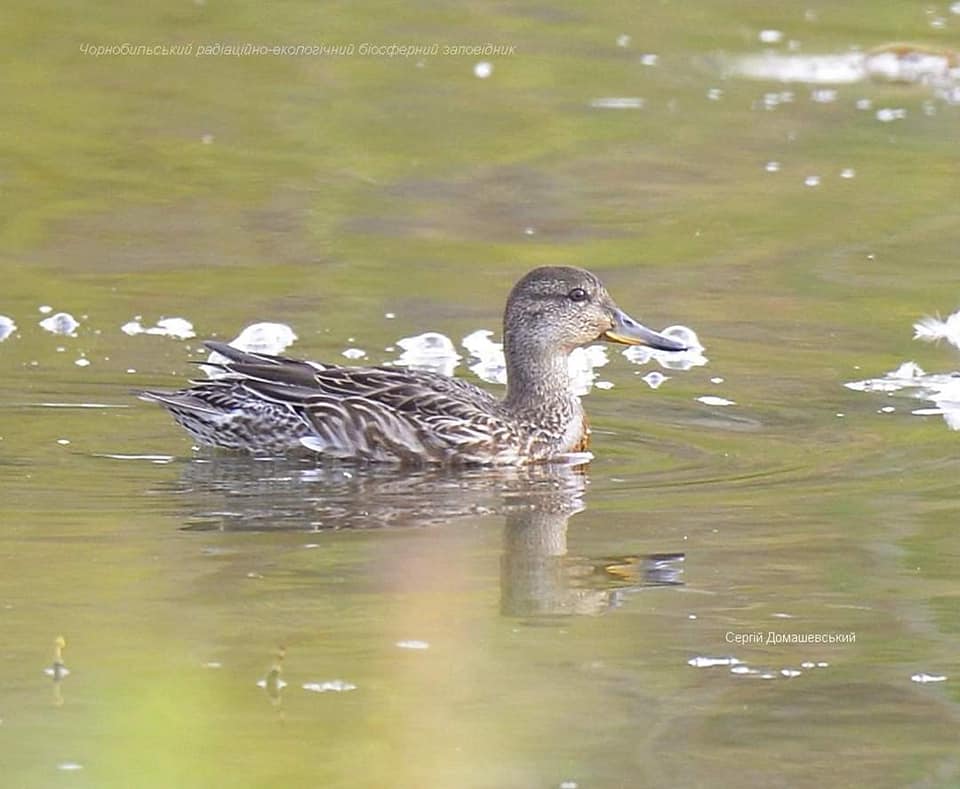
[{"x": 274, "y": 405}]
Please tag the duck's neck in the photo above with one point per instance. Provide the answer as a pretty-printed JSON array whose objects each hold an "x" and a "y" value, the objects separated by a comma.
[{"x": 538, "y": 378}]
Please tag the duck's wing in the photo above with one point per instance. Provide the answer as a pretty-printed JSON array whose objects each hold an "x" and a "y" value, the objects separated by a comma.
[
  {"x": 234, "y": 363},
  {"x": 384, "y": 413},
  {"x": 380, "y": 413}
]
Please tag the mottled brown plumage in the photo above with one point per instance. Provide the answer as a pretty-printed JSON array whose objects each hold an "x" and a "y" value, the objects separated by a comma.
[{"x": 272, "y": 404}]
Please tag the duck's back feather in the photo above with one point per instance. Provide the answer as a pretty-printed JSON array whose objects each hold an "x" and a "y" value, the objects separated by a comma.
[{"x": 365, "y": 413}]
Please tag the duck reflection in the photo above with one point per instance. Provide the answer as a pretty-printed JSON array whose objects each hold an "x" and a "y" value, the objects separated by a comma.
[
  {"x": 273, "y": 682},
  {"x": 539, "y": 577},
  {"x": 58, "y": 671}
]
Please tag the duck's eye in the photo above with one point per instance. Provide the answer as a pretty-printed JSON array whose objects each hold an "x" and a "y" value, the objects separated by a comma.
[{"x": 578, "y": 294}]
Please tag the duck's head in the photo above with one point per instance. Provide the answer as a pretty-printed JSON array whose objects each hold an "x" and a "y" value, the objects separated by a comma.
[{"x": 564, "y": 307}]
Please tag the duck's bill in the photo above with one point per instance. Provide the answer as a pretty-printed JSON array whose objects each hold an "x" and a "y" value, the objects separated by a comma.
[{"x": 627, "y": 331}]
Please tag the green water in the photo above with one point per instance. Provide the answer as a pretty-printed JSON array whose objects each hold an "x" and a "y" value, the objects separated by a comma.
[{"x": 327, "y": 191}]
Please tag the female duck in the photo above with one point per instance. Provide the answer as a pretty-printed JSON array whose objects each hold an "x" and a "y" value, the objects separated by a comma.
[{"x": 271, "y": 404}]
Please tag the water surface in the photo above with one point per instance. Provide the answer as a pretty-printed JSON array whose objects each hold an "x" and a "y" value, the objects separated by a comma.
[{"x": 482, "y": 628}]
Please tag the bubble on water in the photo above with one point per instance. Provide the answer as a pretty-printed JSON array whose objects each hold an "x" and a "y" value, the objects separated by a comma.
[
  {"x": 389, "y": 315},
  {"x": 770, "y": 36},
  {"x": 265, "y": 337},
  {"x": 329, "y": 686},
  {"x": 848, "y": 172},
  {"x": 654, "y": 379},
  {"x": 743, "y": 670},
  {"x": 714, "y": 400},
  {"x": 61, "y": 323},
  {"x": 864, "y": 104},
  {"x": 790, "y": 673},
  {"x": 930, "y": 329},
  {"x": 623, "y": 40},
  {"x": 483, "y": 69},
  {"x": 603, "y": 384},
  {"x": 429, "y": 351},
  {"x": 618, "y": 103},
  {"x": 638, "y": 354},
  {"x": 710, "y": 662},
  {"x": 7, "y": 327},
  {"x": 649, "y": 59},
  {"x": 823, "y": 96},
  {"x": 69, "y": 766},
  {"x": 923, "y": 676},
  {"x": 413, "y": 643},
  {"x": 716, "y": 380},
  {"x": 354, "y": 353},
  {"x": 811, "y": 180},
  {"x": 490, "y": 364},
  {"x": 942, "y": 389},
  {"x": 890, "y": 114},
  {"x": 82, "y": 362},
  {"x": 772, "y": 167},
  {"x": 714, "y": 94},
  {"x": 771, "y": 101},
  {"x": 671, "y": 360},
  {"x": 45, "y": 309},
  {"x": 684, "y": 335},
  {"x": 178, "y": 328},
  {"x": 581, "y": 364}
]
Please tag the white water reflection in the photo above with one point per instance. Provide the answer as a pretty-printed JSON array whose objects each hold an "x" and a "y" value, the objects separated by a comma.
[
  {"x": 7, "y": 327},
  {"x": 933, "y": 329},
  {"x": 436, "y": 352},
  {"x": 938, "y": 69},
  {"x": 177, "y": 328},
  {"x": 942, "y": 389},
  {"x": 433, "y": 351},
  {"x": 429, "y": 351},
  {"x": 671, "y": 360},
  {"x": 61, "y": 323},
  {"x": 265, "y": 337}
]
